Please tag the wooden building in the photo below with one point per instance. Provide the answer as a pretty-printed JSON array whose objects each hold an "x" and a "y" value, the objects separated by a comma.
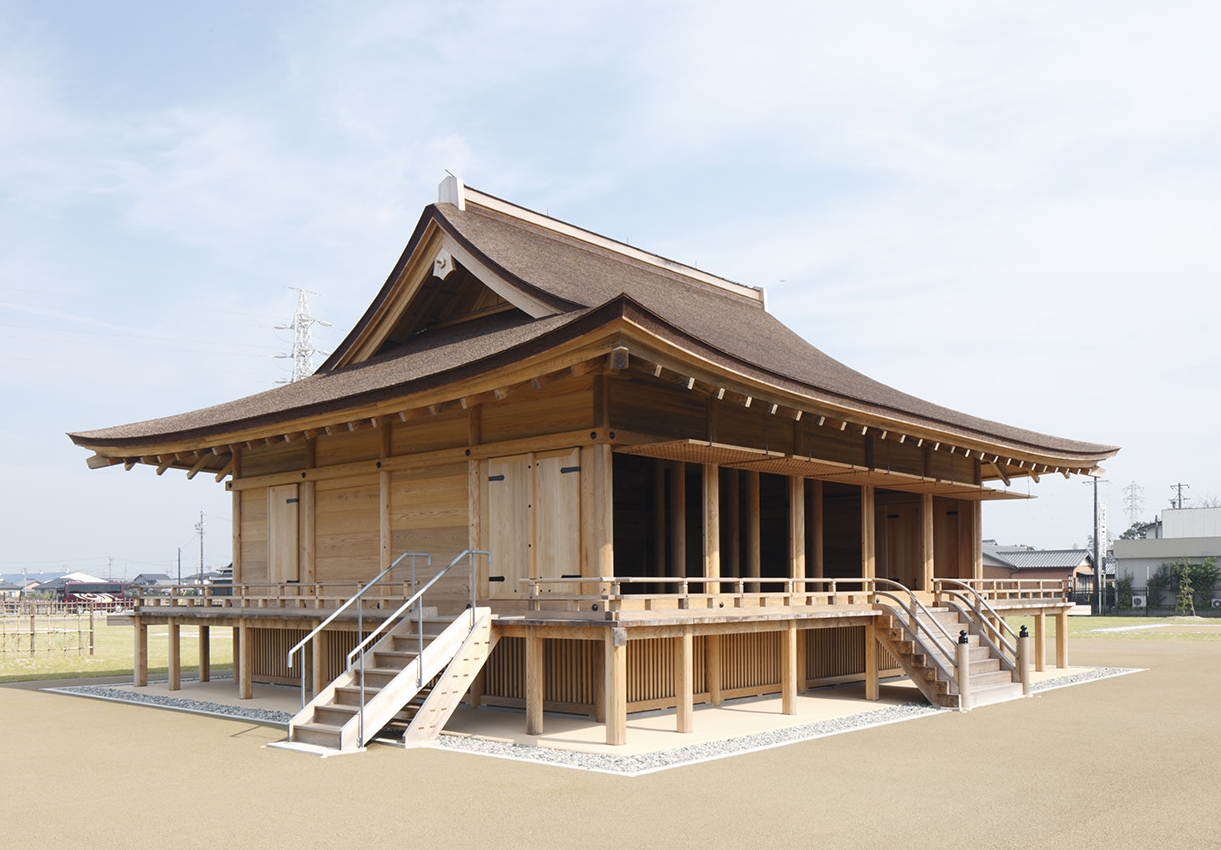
[{"x": 652, "y": 493}]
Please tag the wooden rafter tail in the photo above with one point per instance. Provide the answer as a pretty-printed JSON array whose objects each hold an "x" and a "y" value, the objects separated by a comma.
[
  {"x": 129, "y": 463},
  {"x": 204, "y": 457},
  {"x": 98, "y": 461}
]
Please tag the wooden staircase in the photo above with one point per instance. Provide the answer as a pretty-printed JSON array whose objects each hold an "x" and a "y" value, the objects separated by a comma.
[
  {"x": 405, "y": 692},
  {"x": 926, "y": 654}
]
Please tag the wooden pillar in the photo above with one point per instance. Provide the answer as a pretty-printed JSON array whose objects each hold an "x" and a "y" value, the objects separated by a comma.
[
  {"x": 236, "y": 640},
  {"x": 868, "y": 535},
  {"x": 615, "y": 674},
  {"x": 245, "y": 648},
  {"x": 237, "y": 536},
  {"x": 140, "y": 654},
  {"x": 307, "y": 494},
  {"x": 597, "y": 510},
  {"x": 205, "y": 653},
  {"x": 175, "y": 654},
  {"x": 797, "y": 528},
  {"x": 926, "y": 541},
  {"x": 678, "y": 519},
  {"x": 385, "y": 533},
  {"x": 476, "y": 475},
  {"x": 732, "y": 558},
  {"x": 712, "y": 525},
  {"x": 684, "y": 681},
  {"x": 753, "y": 558},
  {"x": 977, "y": 542},
  {"x": 658, "y": 567},
  {"x": 1040, "y": 641},
  {"x": 599, "y": 674},
  {"x": 803, "y": 663},
  {"x": 534, "y": 683},
  {"x": 872, "y": 687},
  {"x": 1062, "y": 638},
  {"x": 817, "y": 568},
  {"x": 712, "y": 668},
  {"x": 788, "y": 668}
]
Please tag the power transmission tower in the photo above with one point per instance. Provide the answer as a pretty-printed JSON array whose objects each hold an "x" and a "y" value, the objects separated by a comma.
[
  {"x": 303, "y": 340},
  {"x": 1134, "y": 500},
  {"x": 1177, "y": 502}
]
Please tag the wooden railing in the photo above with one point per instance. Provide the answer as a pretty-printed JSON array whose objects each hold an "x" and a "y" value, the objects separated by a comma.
[
  {"x": 320, "y": 595},
  {"x": 606, "y": 595},
  {"x": 1005, "y": 589}
]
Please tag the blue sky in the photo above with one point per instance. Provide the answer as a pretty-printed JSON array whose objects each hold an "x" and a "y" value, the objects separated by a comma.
[{"x": 1006, "y": 208}]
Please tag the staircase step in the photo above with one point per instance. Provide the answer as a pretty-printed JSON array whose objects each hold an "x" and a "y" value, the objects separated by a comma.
[
  {"x": 320, "y": 734},
  {"x": 984, "y": 680},
  {"x": 392, "y": 658}
]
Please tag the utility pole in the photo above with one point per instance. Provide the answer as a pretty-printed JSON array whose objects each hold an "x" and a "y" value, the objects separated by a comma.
[
  {"x": 303, "y": 343},
  {"x": 1177, "y": 502},
  {"x": 180, "y": 565},
  {"x": 1099, "y": 550},
  {"x": 200, "y": 529}
]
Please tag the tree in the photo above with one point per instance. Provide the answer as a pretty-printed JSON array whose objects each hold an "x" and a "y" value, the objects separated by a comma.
[
  {"x": 1136, "y": 531},
  {"x": 1183, "y": 601}
]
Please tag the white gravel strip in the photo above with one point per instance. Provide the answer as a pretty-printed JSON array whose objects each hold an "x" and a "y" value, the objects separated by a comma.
[{"x": 629, "y": 765}]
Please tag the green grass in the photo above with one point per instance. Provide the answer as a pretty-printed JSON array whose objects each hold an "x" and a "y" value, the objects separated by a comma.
[
  {"x": 1164, "y": 628},
  {"x": 113, "y": 650}
]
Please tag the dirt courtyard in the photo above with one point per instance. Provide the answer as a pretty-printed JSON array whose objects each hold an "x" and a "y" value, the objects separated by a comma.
[{"x": 1130, "y": 761}]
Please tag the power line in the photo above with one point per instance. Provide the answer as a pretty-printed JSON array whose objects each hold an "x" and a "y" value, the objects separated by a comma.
[{"x": 1177, "y": 502}]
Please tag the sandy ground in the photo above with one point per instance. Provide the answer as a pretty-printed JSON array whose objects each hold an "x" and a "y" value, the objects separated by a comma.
[{"x": 1131, "y": 761}]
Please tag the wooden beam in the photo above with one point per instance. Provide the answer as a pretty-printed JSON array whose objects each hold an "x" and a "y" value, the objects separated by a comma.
[
  {"x": 199, "y": 464},
  {"x": 225, "y": 470},
  {"x": 97, "y": 461},
  {"x": 797, "y": 527}
]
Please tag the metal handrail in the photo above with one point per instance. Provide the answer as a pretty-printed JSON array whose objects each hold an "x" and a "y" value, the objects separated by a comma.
[
  {"x": 918, "y": 627},
  {"x": 416, "y": 600},
  {"x": 360, "y": 623},
  {"x": 982, "y": 610}
]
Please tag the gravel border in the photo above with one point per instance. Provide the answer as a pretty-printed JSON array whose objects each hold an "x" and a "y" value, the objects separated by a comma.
[{"x": 631, "y": 765}]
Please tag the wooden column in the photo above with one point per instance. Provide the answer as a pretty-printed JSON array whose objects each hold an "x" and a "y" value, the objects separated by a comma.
[
  {"x": 175, "y": 654},
  {"x": 817, "y": 568},
  {"x": 803, "y": 662},
  {"x": 307, "y": 495},
  {"x": 385, "y": 533},
  {"x": 678, "y": 519},
  {"x": 205, "y": 653},
  {"x": 237, "y": 537},
  {"x": 658, "y": 567},
  {"x": 534, "y": 683},
  {"x": 928, "y": 569},
  {"x": 140, "y": 654},
  {"x": 236, "y": 640},
  {"x": 732, "y": 558},
  {"x": 872, "y": 688},
  {"x": 245, "y": 649},
  {"x": 684, "y": 681},
  {"x": 614, "y": 651},
  {"x": 318, "y": 665},
  {"x": 597, "y": 510},
  {"x": 868, "y": 533},
  {"x": 1040, "y": 641},
  {"x": 712, "y": 668},
  {"x": 1062, "y": 638},
  {"x": 599, "y": 676},
  {"x": 753, "y": 558},
  {"x": 797, "y": 527},
  {"x": 712, "y": 525},
  {"x": 476, "y": 475},
  {"x": 788, "y": 668},
  {"x": 977, "y": 542}
]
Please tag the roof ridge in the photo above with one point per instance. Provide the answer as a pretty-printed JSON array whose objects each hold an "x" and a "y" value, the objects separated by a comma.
[{"x": 589, "y": 237}]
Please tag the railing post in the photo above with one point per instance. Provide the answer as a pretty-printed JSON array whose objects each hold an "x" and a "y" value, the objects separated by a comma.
[
  {"x": 1024, "y": 641},
  {"x": 964, "y": 671}
]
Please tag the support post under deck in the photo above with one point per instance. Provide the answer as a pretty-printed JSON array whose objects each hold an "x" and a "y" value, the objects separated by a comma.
[
  {"x": 140, "y": 654},
  {"x": 175, "y": 655},
  {"x": 534, "y": 683},
  {"x": 245, "y": 681},
  {"x": 1040, "y": 641},
  {"x": 205, "y": 653},
  {"x": 615, "y": 669},
  {"x": 684, "y": 681},
  {"x": 1062, "y": 638},
  {"x": 788, "y": 668}
]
